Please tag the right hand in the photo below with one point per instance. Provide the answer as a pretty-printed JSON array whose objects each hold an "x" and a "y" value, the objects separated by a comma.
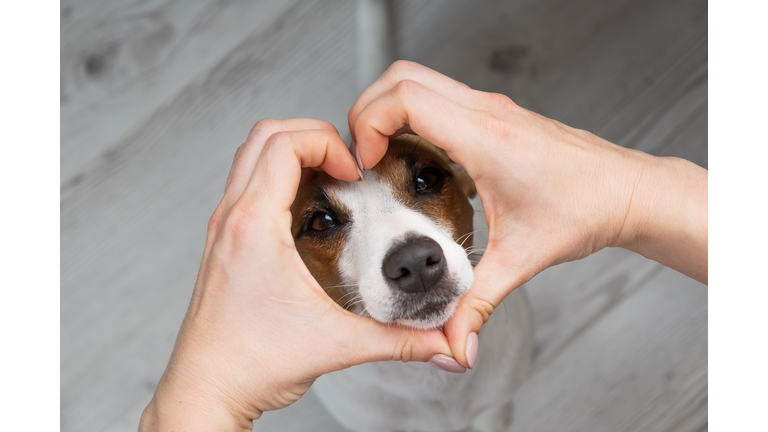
[{"x": 551, "y": 193}]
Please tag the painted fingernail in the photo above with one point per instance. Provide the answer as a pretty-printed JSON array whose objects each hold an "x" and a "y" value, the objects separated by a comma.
[
  {"x": 356, "y": 155},
  {"x": 471, "y": 352},
  {"x": 448, "y": 364}
]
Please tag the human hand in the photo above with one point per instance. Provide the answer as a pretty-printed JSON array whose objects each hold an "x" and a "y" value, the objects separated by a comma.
[
  {"x": 551, "y": 193},
  {"x": 259, "y": 329}
]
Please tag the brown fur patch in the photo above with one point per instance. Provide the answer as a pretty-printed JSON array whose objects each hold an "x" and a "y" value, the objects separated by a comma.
[
  {"x": 320, "y": 253},
  {"x": 409, "y": 154}
]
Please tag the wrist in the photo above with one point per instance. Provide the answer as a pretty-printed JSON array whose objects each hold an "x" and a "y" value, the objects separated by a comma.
[
  {"x": 666, "y": 218},
  {"x": 185, "y": 406}
]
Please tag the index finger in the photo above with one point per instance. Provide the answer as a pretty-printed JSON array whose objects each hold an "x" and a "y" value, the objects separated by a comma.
[
  {"x": 248, "y": 153},
  {"x": 275, "y": 180},
  {"x": 403, "y": 70},
  {"x": 453, "y": 127}
]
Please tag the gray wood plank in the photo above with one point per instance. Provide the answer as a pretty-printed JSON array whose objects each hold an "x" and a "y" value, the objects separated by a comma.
[
  {"x": 689, "y": 139},
  {"x": 640, "y": 367},
  {"x": 133, "y": 226},
  {"x": 305, "y": 415},
  {"x": 567, "y": 298},
  {"x": 679, "y": 126},
  {"x": 133, "y": 223},
  {"x": 120, "y": 61},
  {"x": 614, "y": 68}
]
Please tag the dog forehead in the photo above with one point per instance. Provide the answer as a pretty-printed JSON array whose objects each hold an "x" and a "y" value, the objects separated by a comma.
[{"x": 370, "y": 196}]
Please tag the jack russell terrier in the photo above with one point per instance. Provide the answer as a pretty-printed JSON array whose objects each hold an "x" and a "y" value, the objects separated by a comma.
[{"x": 392, "y": 247}]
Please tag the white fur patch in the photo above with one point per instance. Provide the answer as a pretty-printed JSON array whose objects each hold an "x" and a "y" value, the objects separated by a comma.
[{"x": 378, "y": 220}]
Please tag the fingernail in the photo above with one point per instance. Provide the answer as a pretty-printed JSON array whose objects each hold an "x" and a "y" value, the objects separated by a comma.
[
  {"x": 471, "y": 351},
  {"x": 448, "y": 364},
  {"x": 356, "y": 154}
]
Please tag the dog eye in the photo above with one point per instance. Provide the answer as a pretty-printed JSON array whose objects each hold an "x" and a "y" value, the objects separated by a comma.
[
  {"x": 321, "y": 221},
  {"x": 428, "y": 179}
]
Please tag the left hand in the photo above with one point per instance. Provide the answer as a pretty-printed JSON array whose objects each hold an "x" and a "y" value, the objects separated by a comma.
[
  {"x": 259, "y": 329},
  {"x": 550, "y": 193}
]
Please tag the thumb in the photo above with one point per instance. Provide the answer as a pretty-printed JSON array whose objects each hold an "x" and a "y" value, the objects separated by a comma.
[
  {"x": 367, "y": 340},
  {"x": 493, "y": 282}
]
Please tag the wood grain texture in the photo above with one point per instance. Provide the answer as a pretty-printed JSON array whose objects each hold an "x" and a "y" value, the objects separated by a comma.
[
  {"x": 121, "y": 61},
  {"x": 641, "y": 367},
  {"x": 133, "y": 225},
  {"x": 133, "y": 220},
  {"x": 629, "y": 71},
  {"x": 308, "y": 414}
]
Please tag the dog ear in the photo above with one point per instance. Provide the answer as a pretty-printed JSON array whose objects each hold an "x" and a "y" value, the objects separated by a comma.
[{"x": 465, "y": 181}]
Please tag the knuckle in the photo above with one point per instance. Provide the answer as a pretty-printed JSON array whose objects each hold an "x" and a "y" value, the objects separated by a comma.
[
  {"x": 501, "y": 101},
  {"x": 238, "y": 152},
  {"x": 238, "y": 222},
  {"x": 405, "y": 88},
  {"x": 404, "y": 351},
  {"x": 214, "y": 221},
  {"x": 277, "y": 139},
  {"x": 401, "y": 68},
  {"x": 483, "y": 307},
  {"x": 495, "y": 128},
  {"x": 328, "y": 126},
  {"x": 555, "y": 126},
  {"x": 264, "y": 126}
]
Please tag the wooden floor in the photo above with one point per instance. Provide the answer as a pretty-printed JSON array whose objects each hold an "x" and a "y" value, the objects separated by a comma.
[{"x": 157, "y": 95}]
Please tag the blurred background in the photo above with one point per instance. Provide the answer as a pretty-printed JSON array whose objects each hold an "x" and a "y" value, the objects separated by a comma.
[{"x": 156, "y": 95}]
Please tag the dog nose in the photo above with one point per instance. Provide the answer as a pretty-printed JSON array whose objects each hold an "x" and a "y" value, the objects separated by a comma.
[{"x": 414, "y": 266}]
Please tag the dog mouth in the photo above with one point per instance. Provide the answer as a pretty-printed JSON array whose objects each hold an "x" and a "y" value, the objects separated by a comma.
[
  {"x": 432, "y": 316},
  {"x": 426, "y": 310}
]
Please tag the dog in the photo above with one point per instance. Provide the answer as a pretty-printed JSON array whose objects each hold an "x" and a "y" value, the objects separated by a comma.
[{"x": 392, "y": 247}]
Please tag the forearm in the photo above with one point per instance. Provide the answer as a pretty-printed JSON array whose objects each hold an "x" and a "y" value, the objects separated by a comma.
[{"x": 667, "y": 215}]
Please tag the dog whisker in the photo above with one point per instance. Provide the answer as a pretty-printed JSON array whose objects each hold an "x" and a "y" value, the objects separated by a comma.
[
  {"x": 340, "y": 286},
  {"x": 353, "y": 302},
  {"x": 348, "y": 299},
  {"x": 362, "y": 314},
  {"x": 473, "y": 249},
  {"x": 349, "y": 293},
  {"x": 467, "y": 236},
  {"x": 352, "y": 299}
]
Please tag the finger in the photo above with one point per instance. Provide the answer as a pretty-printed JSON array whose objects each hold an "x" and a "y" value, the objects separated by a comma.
[
  {"x": 276, "y": 177},
  {"x": 248, "y": 153},
  {"x": 443, "y": 122},
  {"x": 362, "y": 340},
  {"x": 493, "y": 282},
  {"x": 264, "y": 128},
  {"x": 408, "y": 71}
]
